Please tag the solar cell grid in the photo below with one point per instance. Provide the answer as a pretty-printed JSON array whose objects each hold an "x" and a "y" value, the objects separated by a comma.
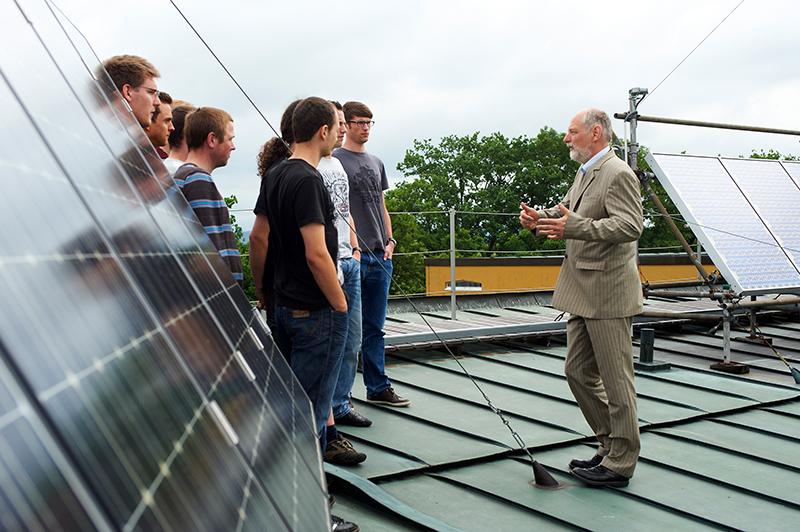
[
  {"x": 775, "y": 198},
  {"x": 122, "y": 320},
  {"x": 744, "y": 249}
]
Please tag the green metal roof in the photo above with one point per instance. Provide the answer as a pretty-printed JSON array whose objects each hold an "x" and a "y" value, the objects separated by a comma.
[{"x": 719, "y": 451}]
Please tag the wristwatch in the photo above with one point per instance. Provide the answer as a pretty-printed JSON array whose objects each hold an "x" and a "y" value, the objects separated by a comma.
[
  {"x": 357, "y": 249},
  {"x": 392, "y": 240}
]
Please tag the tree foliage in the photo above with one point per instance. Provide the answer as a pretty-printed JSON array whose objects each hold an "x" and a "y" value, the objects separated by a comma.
[
  {"x": 244, "y": 251},
  {"x": 488, "y": 176},
  {"x": 772, "y": 154}
]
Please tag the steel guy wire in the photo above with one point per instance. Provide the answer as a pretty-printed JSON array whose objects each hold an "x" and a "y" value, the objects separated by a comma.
[
  {"x": 214, "y": 55},
  {"x": 517, "y": 438},
  {"x": 690, "y": 53}
]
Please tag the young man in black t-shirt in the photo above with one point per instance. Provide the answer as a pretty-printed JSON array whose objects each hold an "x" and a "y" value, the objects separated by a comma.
[{"x": 311, "y": 311}]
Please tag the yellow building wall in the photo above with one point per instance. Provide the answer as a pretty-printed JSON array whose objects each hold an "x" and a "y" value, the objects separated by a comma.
[{"x": 524, "y": 278}]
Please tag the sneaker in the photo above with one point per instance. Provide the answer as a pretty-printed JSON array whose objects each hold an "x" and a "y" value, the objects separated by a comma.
[
  {"x": 388, "y": 397},
  {"x": 341, "y": 452},
  {"x": 340, "y": 525}
]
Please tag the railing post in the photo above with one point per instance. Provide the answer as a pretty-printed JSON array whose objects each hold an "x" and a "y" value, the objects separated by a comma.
[{"x": 452, "y": 263}]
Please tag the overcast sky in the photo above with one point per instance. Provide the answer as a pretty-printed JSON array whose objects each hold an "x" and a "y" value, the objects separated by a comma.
[{"x": 435, "y": 68}]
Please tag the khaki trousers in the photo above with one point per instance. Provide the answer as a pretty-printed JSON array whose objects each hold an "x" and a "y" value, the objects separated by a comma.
[{"x": 599, "y": 370}]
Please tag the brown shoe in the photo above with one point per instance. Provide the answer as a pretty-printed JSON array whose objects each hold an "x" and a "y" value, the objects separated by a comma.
[
  {"x": 388, "y": 397},
  {"x": 340, "y": 452}
]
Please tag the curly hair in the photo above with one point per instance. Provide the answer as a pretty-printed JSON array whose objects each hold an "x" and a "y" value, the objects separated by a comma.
[{"x": 275, "y": 148}]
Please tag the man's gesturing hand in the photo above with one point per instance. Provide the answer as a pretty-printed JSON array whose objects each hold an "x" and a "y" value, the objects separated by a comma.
[
  {"x": 528, "y": 217},
  {"x": 554, "y": 227}
]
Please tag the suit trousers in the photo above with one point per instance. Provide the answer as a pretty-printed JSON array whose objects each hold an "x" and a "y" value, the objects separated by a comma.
[{"x": 599, "y": 370}]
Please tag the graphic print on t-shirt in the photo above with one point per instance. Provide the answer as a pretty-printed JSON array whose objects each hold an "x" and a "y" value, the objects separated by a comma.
[
  {"x": 340, "y": 193},
  {"x": 367, "y": 185}
]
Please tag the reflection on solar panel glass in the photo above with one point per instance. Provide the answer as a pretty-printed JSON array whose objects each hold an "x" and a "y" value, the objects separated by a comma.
[{"x": 138, "y": 389}]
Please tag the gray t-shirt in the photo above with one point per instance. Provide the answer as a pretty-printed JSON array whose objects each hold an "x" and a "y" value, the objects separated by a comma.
[{"x": 368, "y": 180}]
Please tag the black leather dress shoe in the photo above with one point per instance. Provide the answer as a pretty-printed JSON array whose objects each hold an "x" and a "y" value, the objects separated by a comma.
[
  {"x": 585, "y": 464},
  {"x": 354, "y": 419},
  {"x": 599, "y": 476}
]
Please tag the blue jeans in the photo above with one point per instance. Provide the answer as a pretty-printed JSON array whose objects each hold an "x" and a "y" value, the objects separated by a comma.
[
  {"x": 374, "y": 294},
  {"x": 314, "y": 340},
  {"x": 347, "y": 374}
]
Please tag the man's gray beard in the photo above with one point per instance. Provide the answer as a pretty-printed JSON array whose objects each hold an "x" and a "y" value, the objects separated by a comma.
[{"x": 579, "y": 155}]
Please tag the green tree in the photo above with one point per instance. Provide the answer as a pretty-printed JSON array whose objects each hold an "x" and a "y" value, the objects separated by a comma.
[
  {"x": 244, "y": 251},
  {"x": 771, "y": 154},
  {"x": 480, "y": 175}
]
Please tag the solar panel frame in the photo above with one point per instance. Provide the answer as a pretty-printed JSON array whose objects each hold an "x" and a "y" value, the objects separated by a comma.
[{"x": 726, "y": 224}]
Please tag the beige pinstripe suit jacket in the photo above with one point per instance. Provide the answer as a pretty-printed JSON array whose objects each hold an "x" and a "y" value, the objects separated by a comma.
[{"x": 599, "y": 277}]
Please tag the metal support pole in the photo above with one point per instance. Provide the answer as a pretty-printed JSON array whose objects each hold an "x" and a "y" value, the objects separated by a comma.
[
  {"x": 694, "y": 316},
  {"x": 727, "y": 317},
  {"x": 634, "y": 97},
  {"x": 646, "y": 348},
  {"x": 754, "y": 336},
  {"x": 699, "y": 256},
  {"x": 716, "y": 125},
  {"x": 770, "y": 303},
  {"x": 684, "y": 244},
  {"x": 684, "y": 293},
  {"x": 646, "y": 341},
  {"x": 453, "y": 264},
  {"x": 726, "y": 336}
]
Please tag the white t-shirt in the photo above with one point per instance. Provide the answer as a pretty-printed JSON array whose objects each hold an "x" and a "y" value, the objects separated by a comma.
[
  {"x": 335, "y": 179},
  {"x": 172, "y": 164}
]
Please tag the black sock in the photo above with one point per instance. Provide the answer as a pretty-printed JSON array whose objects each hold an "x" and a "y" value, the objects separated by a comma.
[{"x": 331, "y": 433}]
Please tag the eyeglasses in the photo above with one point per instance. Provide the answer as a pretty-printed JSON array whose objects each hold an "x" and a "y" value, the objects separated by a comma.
[
  {"x": 150, "y": 90},
  {"x": 362, "y": 123}
]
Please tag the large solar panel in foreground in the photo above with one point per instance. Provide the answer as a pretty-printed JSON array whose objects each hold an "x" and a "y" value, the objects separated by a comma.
[
  {"x": 744, "y": 212},
  {"x": 138, "y": 389}
]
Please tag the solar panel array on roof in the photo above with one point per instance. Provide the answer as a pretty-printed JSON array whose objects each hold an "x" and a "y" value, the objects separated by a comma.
[
  {"x": 744, "y": 212},
  {"x": 138, "y": 389}
]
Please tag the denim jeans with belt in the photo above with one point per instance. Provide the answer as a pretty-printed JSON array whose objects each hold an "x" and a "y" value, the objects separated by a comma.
[
  {"x": 314, "y": 340},
  {"x": 374, "y": 294},
  {"x": 351, "y": 268}
]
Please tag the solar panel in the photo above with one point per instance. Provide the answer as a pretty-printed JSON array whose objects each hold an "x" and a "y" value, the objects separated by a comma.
[
  {"x": 136, "y": 380},
  {"x": 775, "y": 198},
  {"x": 741, "y": 210}
]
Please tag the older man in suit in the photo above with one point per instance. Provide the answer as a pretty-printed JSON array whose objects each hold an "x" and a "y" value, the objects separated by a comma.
[{"x": 601, "y": 218}]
